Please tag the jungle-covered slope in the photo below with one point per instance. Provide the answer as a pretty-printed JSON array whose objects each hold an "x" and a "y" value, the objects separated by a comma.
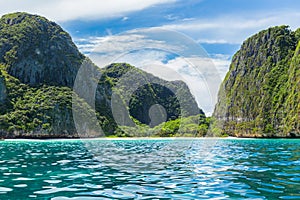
[
  {"x": 260, "y": 94},
  {"x": 38, "y": 67}
]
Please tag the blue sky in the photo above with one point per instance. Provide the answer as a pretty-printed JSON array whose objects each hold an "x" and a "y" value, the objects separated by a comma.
[
  {"x": 202, "y": 20},
  {"x": 218, "y": 26}
]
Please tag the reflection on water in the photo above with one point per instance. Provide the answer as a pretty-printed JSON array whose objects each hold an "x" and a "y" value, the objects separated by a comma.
[{"x": 150, "y": 169}]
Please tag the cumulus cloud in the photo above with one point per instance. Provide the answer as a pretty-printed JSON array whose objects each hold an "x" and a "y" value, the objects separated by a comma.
[
  {"x": 202, "y": 75},
  {"x": 64, "y": 10},
  {"x": 104, "y": 50},
  {"x": 166, "y": 54}
]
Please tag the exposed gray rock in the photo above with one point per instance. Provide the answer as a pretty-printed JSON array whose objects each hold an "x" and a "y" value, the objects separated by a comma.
[{"x": 3, "y": 92}]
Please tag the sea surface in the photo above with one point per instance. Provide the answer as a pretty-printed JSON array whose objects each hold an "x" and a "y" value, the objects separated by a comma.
[{"x": 150, "y": 169}]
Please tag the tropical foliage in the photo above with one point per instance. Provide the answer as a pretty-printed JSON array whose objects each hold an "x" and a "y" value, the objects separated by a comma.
[
  {"x": 38, "y": 67},
  {"x": 259, "y": 96}
]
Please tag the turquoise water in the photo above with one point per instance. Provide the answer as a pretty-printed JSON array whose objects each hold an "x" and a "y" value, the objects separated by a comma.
[{"x": 150, "y": 169}]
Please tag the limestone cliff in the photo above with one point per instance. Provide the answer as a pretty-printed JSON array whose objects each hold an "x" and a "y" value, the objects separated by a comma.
[
  {"x": 38, "y": 66},
  {"x": 37, "y": 51},
  {"x": 3, "y": 94},
  {"x": 259, "y": 96}
]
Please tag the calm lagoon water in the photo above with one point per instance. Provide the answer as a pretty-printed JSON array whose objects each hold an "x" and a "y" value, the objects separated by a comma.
[{"x": 150, "y": 169}]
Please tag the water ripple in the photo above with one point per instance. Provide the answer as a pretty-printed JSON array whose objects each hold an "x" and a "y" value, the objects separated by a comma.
[{"x": 150, "y": 169}]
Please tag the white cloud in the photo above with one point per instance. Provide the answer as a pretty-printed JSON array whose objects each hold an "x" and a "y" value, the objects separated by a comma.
[
  {"x": 202, "y": 75},
  {"x": 234, "y": 29},
  {"x": 64, "y": 10},
  {"x": 125, "y": 18},
  {"x": 212, "y": 41},
  {"x": 105, "y": 50},
  {"x": 172, "y": 58}
]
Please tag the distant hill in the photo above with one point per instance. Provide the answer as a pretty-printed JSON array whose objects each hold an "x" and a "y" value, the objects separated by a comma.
[
  {"x": 260, "y": 94},
  {"x": 38, "y": 67}
]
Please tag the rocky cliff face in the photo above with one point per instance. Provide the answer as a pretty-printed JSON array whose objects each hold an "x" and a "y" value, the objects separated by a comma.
[
  {"x": 259, "y": 96},
  {"x": 292, "y": 104},
  {"x": 139, "y": 91},
  {"x": 37, "y": 59},
  {"x": 37, "y": 51},
  {"x": 3, "y": 94},
  {"x": 38, "y": 66}
]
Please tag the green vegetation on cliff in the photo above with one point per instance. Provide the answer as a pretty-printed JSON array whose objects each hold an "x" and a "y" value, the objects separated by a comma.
[
  {"x": 192, "y": 126},
  {"x": 138, "y": 91},
  {"x": 38, "y": 67},
  {"x": 259, "y": 96},
  {"x": 44, "y": 111},
  {"x": 33, "y": 47}
]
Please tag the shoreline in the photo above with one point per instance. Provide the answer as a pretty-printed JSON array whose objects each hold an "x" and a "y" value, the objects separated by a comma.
[
  {"x": 137, "y": 138},
  {"x": 117, "y": 138}
]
